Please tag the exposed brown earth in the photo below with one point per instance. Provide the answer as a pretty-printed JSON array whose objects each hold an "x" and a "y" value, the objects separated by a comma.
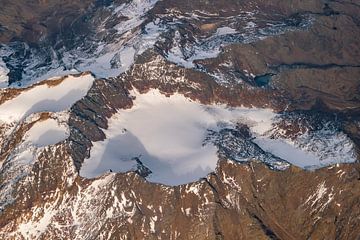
[
  {"x": 316, "y": 69},
  {"x": 237, "y": 201},
  {"x": 31, "y": 20},
  {"x": 321, "y": 64}
]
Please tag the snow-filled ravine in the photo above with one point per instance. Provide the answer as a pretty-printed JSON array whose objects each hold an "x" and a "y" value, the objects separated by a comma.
[
  {"x": 3, "y": 74},
  {"x": 167, "y": 135}
]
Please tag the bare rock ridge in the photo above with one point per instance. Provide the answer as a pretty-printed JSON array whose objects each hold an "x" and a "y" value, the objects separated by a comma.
[
  {"x": 69, "y": 68},
  {"x": 247, "y": 195}
]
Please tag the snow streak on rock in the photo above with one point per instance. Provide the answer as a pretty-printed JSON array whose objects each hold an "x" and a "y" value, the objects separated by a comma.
[
  {"x": 3, "y": 74},
  {"x": 115, "y": 57},
  {"x": 185, "y": 55},
  {"x": 106, "y": 52},
  {"x": 126, "y": 31}
]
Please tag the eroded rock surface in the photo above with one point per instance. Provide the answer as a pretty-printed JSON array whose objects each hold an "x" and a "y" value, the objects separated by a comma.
[{"x": 301, "y": 60}]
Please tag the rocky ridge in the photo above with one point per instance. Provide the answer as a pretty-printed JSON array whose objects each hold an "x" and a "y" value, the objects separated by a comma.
[{"x": 49, "y": 200}]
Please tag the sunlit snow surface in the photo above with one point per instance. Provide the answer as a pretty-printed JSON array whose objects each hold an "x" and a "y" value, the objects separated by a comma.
[
  {"x": 46, "y": 98},
  {"x": 46, "y": 132},
  {"x": 54, "y": 98},
  {"x": 3, "y": 74},
  {"x": 225, "y": 30},
  {"x": 40, "y": 112},
  {"x": 312, "y": 150},
  {"x": 167, "y": 134}
]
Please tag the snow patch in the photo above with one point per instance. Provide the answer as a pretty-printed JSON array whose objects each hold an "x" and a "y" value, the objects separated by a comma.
[
  {"x": 311, "y": 150},
  {"x": 34, "y": 228},
  {"x": 46, "y": 97},
  {"x": 3, "y": 74},
  {"x": 316, "y": 200},
  {"x": 193, "y": 189},
  {"x": 286, "y": 150},
  {"x": 134, "y": 11},
  {"x": 169, "y": 137},
  {"x": 47, "y": 132},
  {"x": 167, "y": 134},
  {"x": 225, "y": 30},
  {"x": 152, "y": 224}
]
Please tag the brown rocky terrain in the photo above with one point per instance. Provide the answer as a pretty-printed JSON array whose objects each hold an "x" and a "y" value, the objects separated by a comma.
[
  {"x": 319, "y": 65},
  {"x": 32, "y": 20},
  {"x": 237, "y": 201},
  {"x": 309, "y": 72}
]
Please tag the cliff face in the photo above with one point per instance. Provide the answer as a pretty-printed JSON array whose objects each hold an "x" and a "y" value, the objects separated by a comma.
[
  {"x": 272, "y": 86},
  {"x": 237, "y": 201}
]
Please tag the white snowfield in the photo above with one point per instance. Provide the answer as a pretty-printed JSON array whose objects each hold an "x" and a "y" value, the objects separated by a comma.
[
  {"x": 46, "y": 98},
  {"x": 167, "y": 135},
  {"x": 225, "y": 31},
  {"x": 3, "y": 74},
  {"x": 46, "y": 132},
  {"x": 309, "y": 152}
]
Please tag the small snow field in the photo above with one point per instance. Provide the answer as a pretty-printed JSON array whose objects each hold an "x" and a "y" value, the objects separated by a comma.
[
  {"x": 46, "y": 98},
  {"x": 47, "y": 132},
  {"x": 3, "y": 74},
  {"x": 310, "y": 152},
  {"x": 167, "y": 135},
  {"x": 225, "y": 31}
]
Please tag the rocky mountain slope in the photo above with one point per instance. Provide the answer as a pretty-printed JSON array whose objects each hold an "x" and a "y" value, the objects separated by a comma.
[{"x": 145, "y": 119}]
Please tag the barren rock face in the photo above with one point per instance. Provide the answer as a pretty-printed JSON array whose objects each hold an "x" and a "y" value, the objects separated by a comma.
[
  {"x": 32, "y": 20},
  {"x": 140, "y": 91}
]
